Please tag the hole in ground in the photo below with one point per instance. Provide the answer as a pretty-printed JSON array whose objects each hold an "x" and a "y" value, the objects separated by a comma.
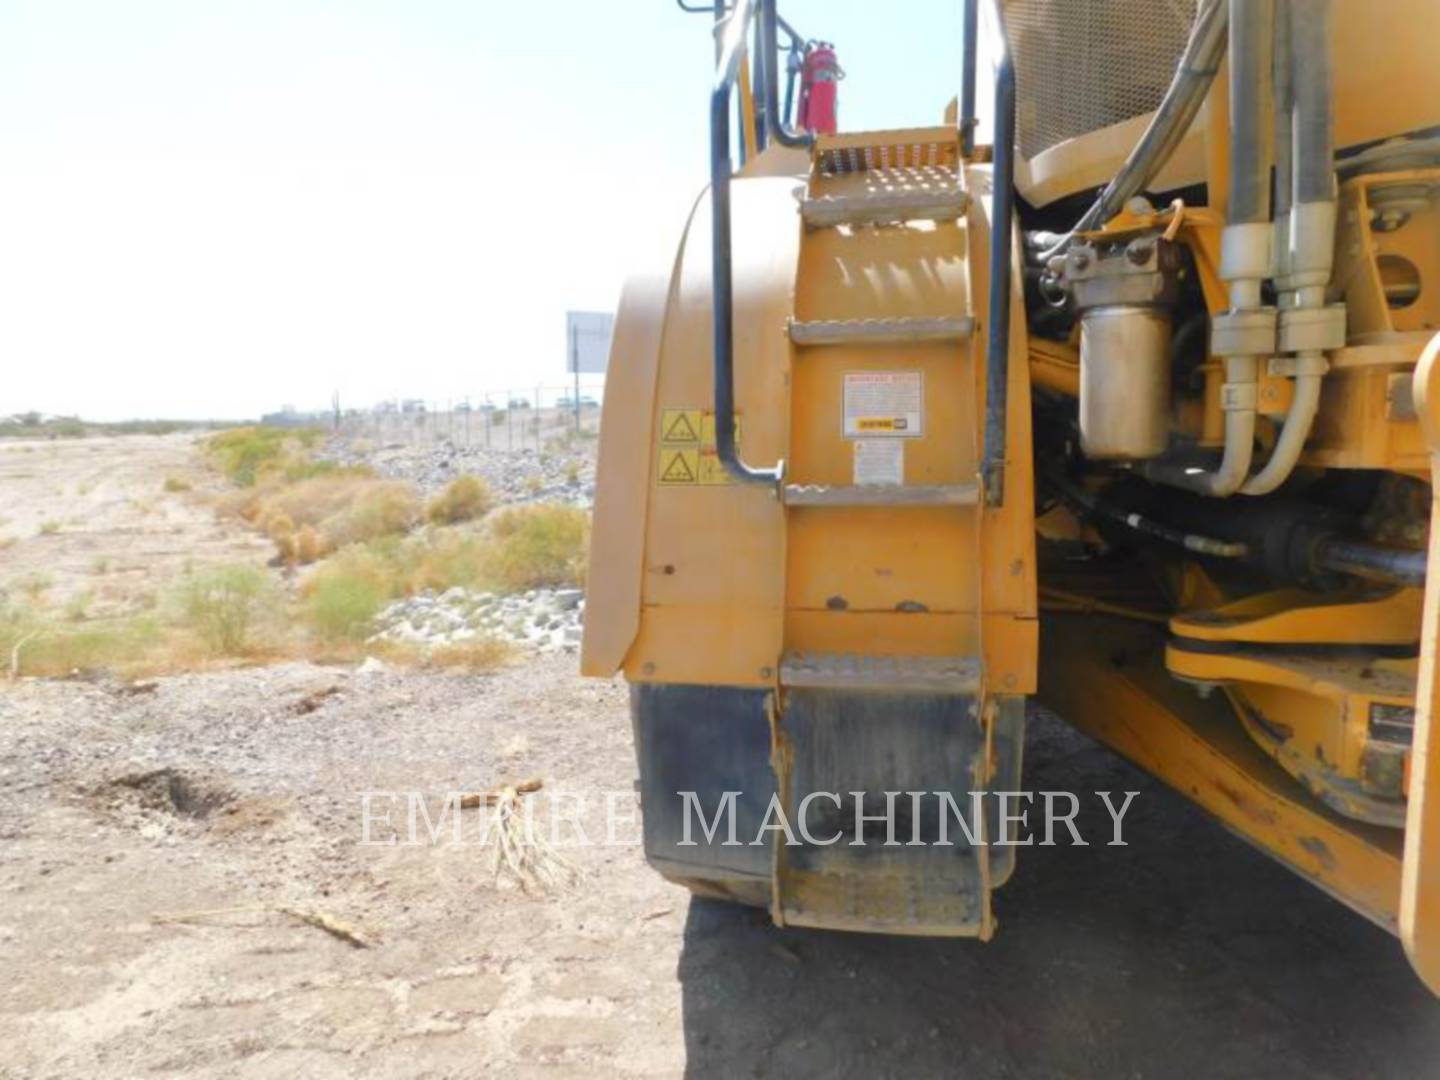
[{"x": 171, "y": 791}]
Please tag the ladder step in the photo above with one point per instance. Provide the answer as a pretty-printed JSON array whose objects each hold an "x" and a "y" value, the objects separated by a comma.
[
  {"x": 885, "y": 207},
  {"x": 882, "y": 495},
  {"x": 899, "y": 331},
  {"x": 851, "y": 671}
]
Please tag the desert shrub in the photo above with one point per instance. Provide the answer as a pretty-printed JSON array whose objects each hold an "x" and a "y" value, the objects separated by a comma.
[
  {"x": 382, "y": 508},
  {"x": 535, "y": 546},
  {"x": 225, "y": 605},
  {"x": 464, "y": 499},
  {"x": 243, "y": 454},
  {"x": 314, "y": 516},
  {"x": 309, "y": 545},
  {"x": 174, "y": 485},
  {"x": 442, "y": 560},
  {"x": 343, "y": 596},
  {"x": 34, "y": 584}
]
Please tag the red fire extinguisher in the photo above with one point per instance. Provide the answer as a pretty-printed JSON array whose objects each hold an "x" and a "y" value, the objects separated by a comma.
[{"x": 818, "y": 76}]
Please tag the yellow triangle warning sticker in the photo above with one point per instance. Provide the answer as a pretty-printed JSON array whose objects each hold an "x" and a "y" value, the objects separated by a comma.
[
  {"x": 679, "y": 466},
  {"x": 680, "y": 426}
]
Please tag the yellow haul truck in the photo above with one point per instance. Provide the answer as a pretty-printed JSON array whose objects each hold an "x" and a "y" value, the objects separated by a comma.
[{"x": 1134, "y": 410}]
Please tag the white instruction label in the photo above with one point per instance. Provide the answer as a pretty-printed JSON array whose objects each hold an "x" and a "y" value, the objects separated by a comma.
[
  {"x": 879, "y": 461},
  {"x": 884, "y": 404}
]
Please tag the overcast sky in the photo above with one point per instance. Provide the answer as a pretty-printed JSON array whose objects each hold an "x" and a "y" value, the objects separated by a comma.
[{"x": 212, "y": 207}]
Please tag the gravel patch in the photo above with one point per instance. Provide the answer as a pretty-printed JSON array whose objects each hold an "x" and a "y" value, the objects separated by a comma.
[
  {"x": 548, "y": 620},
  {"x": 564, "y": 474}
]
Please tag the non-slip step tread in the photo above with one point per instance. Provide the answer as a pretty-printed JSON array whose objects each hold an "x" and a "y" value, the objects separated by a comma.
[
  {"x": 854, "y": 671},
  {"x": 881, "y": 495},
  {"x": 882, "y": 207},
  {"x": 888, "y": 331}
]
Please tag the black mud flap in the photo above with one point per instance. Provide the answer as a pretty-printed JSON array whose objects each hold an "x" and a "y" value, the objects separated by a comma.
[
  {"x": 707, "y": 758},
  {"x": 852, "y": 869},
  {"x": 712, "y": 742}
]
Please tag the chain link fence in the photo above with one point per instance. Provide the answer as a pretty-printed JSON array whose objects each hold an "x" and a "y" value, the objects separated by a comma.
[{"x": 512, "y": 419}]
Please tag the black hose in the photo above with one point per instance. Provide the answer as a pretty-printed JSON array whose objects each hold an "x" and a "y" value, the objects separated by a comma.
[
  {"x": 1359, "y": 559},
  {"x": 1092, "y": 504},
  {"x": 1167, "y": 128}
]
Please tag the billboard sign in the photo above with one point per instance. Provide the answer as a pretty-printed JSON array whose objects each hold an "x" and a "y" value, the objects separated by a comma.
[{"x": 587, "y": 341}]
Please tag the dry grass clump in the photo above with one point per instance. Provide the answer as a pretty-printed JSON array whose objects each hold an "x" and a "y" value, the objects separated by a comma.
[
  {"x": 221, "y": 612},
  {"x": 464, "y": 499},
  {"x": 537, "y": 546},
  {"x": 442, "y": 559},
  {"x": 38, "y": 642},
  {"x": 175, "y": 485},
  {"x": 310, "y": 518},
  {"x": 476, "y": 655}
]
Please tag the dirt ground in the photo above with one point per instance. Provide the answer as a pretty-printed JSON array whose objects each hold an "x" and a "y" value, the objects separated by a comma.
[
  {"x": 148, "y": 838},
  {"x": 93, "y": 516}
]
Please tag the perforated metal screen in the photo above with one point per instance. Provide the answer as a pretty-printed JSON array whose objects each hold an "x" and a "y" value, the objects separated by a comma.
[{"x": 1081, "y": 65}]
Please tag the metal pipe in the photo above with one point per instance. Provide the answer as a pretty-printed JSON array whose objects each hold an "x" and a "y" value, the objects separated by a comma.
[
  {"x": 775, "y": 122},
  {"x": 732, "y": 44},
  {"x": 970, "y": 25},
  {"x": 997, "y": 353},
  {"x": 1182, "y": 100}
]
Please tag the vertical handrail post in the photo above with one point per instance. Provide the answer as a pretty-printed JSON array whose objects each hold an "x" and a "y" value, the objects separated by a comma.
[
  {"x": 997, "y": 354},
  {"x": 970, "y": 24},
  {"x": 722, "y": 283}
]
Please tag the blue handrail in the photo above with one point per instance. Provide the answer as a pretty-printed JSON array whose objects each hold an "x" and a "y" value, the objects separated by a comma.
[
  {"x": 732, "y": 46},
  {"x": 997, "y": 346}
]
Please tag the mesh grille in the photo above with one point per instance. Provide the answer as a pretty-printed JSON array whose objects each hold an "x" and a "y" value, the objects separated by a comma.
[{"x": 1081, "y": 65}]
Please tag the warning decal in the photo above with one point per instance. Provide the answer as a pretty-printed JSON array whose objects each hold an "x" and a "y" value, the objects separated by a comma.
[
  {"x": 680, "y": 426},
  {"x": 687, "y": 450},
  {"x": 679, "y": 466},
  {"x": 879, "y": 461},
  {"x": 884, "y": 404}
]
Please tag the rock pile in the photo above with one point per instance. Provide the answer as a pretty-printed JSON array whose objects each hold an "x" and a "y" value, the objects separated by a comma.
[
  {"x": 563, "y": 475},
  {"x": 545, "y": 619}
]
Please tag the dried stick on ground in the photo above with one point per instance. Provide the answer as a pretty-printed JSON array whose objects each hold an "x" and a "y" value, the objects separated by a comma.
[
  {"x": 309, "y": 916},
  {"x": 520, "y": 850}
]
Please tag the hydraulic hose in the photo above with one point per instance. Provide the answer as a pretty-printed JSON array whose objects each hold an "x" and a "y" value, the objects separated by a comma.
[
  {"x": 1306, "y": 323},
  {"x": 1247, "y": 331},
  {"x": 1311, "y": 75},
  {"x": 1371, "y": 561},
  {"x": 1096, "y": 506},
  {"x": 1240, "y": 376},
  {"x": 1284, "y": 169},
  {"x": 1298, "y": 421},
  {"x": 1251, "y": 60},
  {"x": 1167, "y": 127}
]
